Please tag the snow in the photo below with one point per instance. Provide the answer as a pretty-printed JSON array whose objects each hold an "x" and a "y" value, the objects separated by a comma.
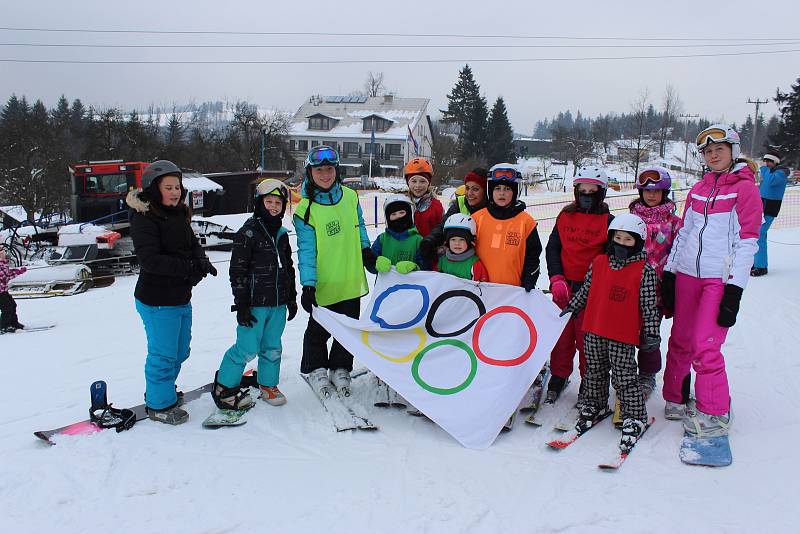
[
  {"x": 200, "y": 183},
  {"x": 287, "y": 471}
]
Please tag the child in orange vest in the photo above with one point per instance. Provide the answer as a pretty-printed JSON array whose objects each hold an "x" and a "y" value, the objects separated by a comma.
[
  {"x": 580, "y": 234},
  {"x": 620, "y": 295},
  {"x": 507, "y": 240}
]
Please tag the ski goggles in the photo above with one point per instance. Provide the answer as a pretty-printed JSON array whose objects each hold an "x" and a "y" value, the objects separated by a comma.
[
  {"x": 322, "y": 155},
  {"x": 503, "y": 174},
  {"x": 650, "y": 176},
  {"x": 711, "y": 135},
  {"x": 272, "y": 187}
]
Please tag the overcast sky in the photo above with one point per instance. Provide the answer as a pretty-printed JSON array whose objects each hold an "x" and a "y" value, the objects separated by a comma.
[{"x": 716, "y": 87}]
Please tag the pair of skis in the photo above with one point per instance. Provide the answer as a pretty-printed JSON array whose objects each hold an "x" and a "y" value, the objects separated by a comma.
[{"x": 346, "y": 412}]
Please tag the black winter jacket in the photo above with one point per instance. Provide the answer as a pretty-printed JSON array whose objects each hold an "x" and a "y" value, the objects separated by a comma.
[
  {"x": 262, "y": 272},
  {"x": 165, "y": 245}
]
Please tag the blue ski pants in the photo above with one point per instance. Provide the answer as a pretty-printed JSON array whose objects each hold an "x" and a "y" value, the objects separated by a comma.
[
  {"x": 760, "y": 259},
  {"x": 263, "y": 339},
  {"x": 169, "y": 332}
]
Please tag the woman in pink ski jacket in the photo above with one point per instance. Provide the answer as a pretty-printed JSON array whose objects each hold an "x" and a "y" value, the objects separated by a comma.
[{"x": 703, "y": 280}]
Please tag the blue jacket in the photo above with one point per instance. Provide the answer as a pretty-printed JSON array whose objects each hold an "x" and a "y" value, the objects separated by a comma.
[
  {"x": 307, "y": 237},
  {"x": 773, "y": 182}
]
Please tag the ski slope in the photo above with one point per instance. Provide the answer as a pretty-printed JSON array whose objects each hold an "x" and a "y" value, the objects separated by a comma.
[{"x": 286, "y": 470}]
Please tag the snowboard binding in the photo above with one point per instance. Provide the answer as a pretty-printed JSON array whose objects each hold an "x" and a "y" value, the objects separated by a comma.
[{"x": 104, "y": 415}]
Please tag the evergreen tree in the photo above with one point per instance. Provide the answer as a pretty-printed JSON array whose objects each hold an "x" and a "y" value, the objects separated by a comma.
[
  {"x": 474, "y": 133},
  {"x": 468, "y": 110},
  {"x": 499, "y": 136},
  {"x": 787, "y": 138}
]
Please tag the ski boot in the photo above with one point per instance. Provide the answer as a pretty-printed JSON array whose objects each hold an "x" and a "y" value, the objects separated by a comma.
[
  {"x": 272, "y": 395},
  {"x": 340, "y": 378},
  {"x": 588, "y": 416},
  {"x": 234, "y": 398},
  {"x": 632, "y": 430},
  {"x": 674, "y": 411},
  {"x": 172, "y": 415},
  {"x": 319, "y": 382},
  {"x": 648, "y": 383},
  {"x": 702, "y": 425},
  {"x": 555, "y": 386}
]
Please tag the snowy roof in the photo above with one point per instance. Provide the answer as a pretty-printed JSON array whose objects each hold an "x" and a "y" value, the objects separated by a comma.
[
  {"x": 403, "y": 113},
  {"x": 199, "y": 183},
  {"x": 16, "y": 212}
]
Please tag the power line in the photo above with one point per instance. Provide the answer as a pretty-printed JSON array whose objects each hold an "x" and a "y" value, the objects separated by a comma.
[
  {"x": 367, "y": 61},
  {"x": 368, "y": 34},
  {"x": 401, "y": 46}
]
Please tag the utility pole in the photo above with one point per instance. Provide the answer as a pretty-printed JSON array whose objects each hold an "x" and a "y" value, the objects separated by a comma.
[
  {"x": 758, "y": 103},
  {"x": 686, "y": 116}
]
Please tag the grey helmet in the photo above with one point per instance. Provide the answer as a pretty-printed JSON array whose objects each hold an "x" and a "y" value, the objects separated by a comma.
[{"x": 157, "y": 169}]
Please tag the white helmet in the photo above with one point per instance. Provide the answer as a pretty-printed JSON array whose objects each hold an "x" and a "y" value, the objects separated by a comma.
[
  {"x": 460, "y": 221},
  {"x": 719, "y": 133},
  {"x": 628, "y": 222},
  {"x": 394, "y": 199},
  {"x": 592, "y": 175}
]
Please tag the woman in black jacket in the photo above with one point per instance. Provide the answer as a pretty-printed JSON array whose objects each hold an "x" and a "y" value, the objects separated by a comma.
[{"x": 171, "y": 262}]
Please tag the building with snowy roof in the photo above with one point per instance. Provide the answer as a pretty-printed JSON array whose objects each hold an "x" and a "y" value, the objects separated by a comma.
[{"x": 401, "y": 126}]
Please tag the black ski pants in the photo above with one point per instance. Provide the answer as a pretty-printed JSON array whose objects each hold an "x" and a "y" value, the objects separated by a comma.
[
  {"x": 8, "y": 310},
  {"x": 315, "y": 341}
]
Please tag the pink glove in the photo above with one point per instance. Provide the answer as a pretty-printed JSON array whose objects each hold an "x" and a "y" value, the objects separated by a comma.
[{"x": 560, "y": 291}]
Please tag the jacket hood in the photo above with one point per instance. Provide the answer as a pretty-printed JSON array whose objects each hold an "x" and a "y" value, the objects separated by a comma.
[{"x": 138, "y": 200}]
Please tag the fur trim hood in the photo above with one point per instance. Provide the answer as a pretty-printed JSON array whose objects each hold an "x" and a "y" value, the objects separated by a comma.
[{"x": 136, "y": 202}]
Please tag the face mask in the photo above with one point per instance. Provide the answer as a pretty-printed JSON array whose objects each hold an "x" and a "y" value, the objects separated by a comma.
[
  {"x": 585, "y": 202},
  {"x": 621, "y": 252}
]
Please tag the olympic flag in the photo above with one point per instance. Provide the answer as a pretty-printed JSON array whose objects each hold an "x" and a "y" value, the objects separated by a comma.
[{"x": 464, "y": 353}]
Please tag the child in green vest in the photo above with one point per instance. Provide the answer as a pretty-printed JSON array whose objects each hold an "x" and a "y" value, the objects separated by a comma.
[
  {"x": 399, "y": 244},
  {"x": 460, "y": 259}
]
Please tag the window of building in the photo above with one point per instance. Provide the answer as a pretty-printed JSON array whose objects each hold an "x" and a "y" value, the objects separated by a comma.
[
  {"x": 394, "y": 150},
  {"x": 314, "y": 143},
  {"x": 376, "y": 123},
  {"x": 350, "y": 149},
  {"x": 320, "y": 122},
  {"x": 302, "y": 146},
  {"x": 292, "y": 145}
]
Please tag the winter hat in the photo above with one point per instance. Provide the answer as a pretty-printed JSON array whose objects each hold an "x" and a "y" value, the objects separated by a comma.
[
  {"x": 476, "y": 178},
  {"x": 772, "y": 155}
]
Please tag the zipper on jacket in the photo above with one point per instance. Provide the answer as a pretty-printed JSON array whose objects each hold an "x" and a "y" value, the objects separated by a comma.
[{"x": 705, "y": 224}]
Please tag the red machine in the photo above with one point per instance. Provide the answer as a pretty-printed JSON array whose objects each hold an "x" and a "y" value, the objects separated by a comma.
[{"x": 99, "y": 189}]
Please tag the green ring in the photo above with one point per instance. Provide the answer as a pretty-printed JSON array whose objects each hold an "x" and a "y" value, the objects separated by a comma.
[{"x": 473, "y": 360}]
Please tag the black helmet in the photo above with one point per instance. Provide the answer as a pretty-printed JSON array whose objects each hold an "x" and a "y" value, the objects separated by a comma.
[{"x": 157, "y": 169}]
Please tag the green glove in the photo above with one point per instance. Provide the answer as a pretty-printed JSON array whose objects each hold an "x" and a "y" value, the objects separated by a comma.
[
  {"x": 383, "y": 264},
  {"x": 405, "y": 267}
]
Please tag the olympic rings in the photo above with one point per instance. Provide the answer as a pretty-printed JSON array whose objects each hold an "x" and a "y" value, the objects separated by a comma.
[
  {"x": 473, "y": 361},
  {"x": 440, "y": 300},
  {"x": 505, "y": 363},
  {"x": 399, "y": 287},
  {"x": 402, "y": 359}
]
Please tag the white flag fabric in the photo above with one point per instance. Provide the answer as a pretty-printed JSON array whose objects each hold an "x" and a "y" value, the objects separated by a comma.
[{"x": 464, "y": 353}]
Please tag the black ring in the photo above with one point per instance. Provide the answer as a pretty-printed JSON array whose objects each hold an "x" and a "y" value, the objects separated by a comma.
[{"x": 440, "y": 300}]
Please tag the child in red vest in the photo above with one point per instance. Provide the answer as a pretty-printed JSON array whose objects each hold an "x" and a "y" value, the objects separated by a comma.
[
  {"x": 460, "y": 259},
  {"x": 580, "y": 234},
  {"x": 619, "y": 293},
  {"x": 428, "y": 210}
]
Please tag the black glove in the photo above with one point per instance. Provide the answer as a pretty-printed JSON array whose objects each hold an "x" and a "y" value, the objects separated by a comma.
[
  {"x": 668, "y": 290},
  {"x": 528, "y": 285},
  {"x": 291, "y": 306},
  {"x": 650, "y": 343},
  {"x": 244, "y": 316},
  {"x": 368, "y": 258},
  {"x": 202, "y": 266},
  {"x": 308, "y": 298},
  {"x": 427, "y": 250},
  {"x": 729, "y": 306},
  {"x": 564, "y": 312}
]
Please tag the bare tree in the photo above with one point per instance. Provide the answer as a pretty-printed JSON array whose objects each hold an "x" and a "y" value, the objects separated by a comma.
[
  {"x": 670, "y": 109},
  {"x": 574, "y": 143},
  {"x": 373, "y": 86},
  {"x": 635, "y": 148}
]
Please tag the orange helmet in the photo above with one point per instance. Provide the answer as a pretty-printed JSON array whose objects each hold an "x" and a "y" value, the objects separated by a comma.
[{"x": 418, "y": 166}]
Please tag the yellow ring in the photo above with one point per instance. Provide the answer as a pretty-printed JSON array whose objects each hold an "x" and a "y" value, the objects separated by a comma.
[{"x": 403, "y": 359}]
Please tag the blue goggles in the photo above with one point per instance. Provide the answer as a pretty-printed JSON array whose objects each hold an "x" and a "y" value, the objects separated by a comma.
[{"x": 322, "y": 155}]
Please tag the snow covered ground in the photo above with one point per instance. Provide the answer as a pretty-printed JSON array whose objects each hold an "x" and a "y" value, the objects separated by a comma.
[{"x": 287, "y": 471}]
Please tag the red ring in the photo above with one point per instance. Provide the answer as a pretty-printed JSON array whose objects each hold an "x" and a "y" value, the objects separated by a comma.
[{"x": 504, "y": 363}]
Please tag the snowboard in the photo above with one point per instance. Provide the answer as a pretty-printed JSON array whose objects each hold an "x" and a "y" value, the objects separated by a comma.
[
  {"x": 31, "y": 328},
  {"x": 709, "y": 452},
  {"x": 619, "y": 457},
  {"x": 221, "y": 418},
  {"x": 86, "y": 427}
]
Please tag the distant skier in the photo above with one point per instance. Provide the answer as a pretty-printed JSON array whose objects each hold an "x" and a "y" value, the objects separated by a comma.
[
  {"x": 619, "y": 294},
  {"x": 773, "y": 186},
  {"x": 579, "y": 235},
  {"x": 706, "y": 273},
  {"x": 263, "y": 284},
  {"x": 8, "y": 308},
  {"x": 171, "y": 262},
  {"x": 658, "y": 212},
  {"x": 332, "y": 249}
]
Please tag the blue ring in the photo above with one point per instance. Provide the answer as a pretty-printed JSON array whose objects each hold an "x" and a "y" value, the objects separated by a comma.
[{"x": 426, "y": 299}]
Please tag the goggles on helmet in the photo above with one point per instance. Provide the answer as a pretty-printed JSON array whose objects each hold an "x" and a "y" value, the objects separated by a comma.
[
  {"x": 648, "y": 177},
  {"x": 322, "y": 155},
  {"x": 712, "y": 135},
  {"x": 503, "y": 174},
  {"x": 272, "y": 187}
]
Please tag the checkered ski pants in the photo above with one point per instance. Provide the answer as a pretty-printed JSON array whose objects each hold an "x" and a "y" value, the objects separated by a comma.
[{"x": 604, "y": 355}]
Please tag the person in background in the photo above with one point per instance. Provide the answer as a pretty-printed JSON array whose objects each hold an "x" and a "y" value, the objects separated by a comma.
[
  {"x": 9, "y": 322},
  {"x": 773, "y": 186},
  {"x": 171, "y": 263}
]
